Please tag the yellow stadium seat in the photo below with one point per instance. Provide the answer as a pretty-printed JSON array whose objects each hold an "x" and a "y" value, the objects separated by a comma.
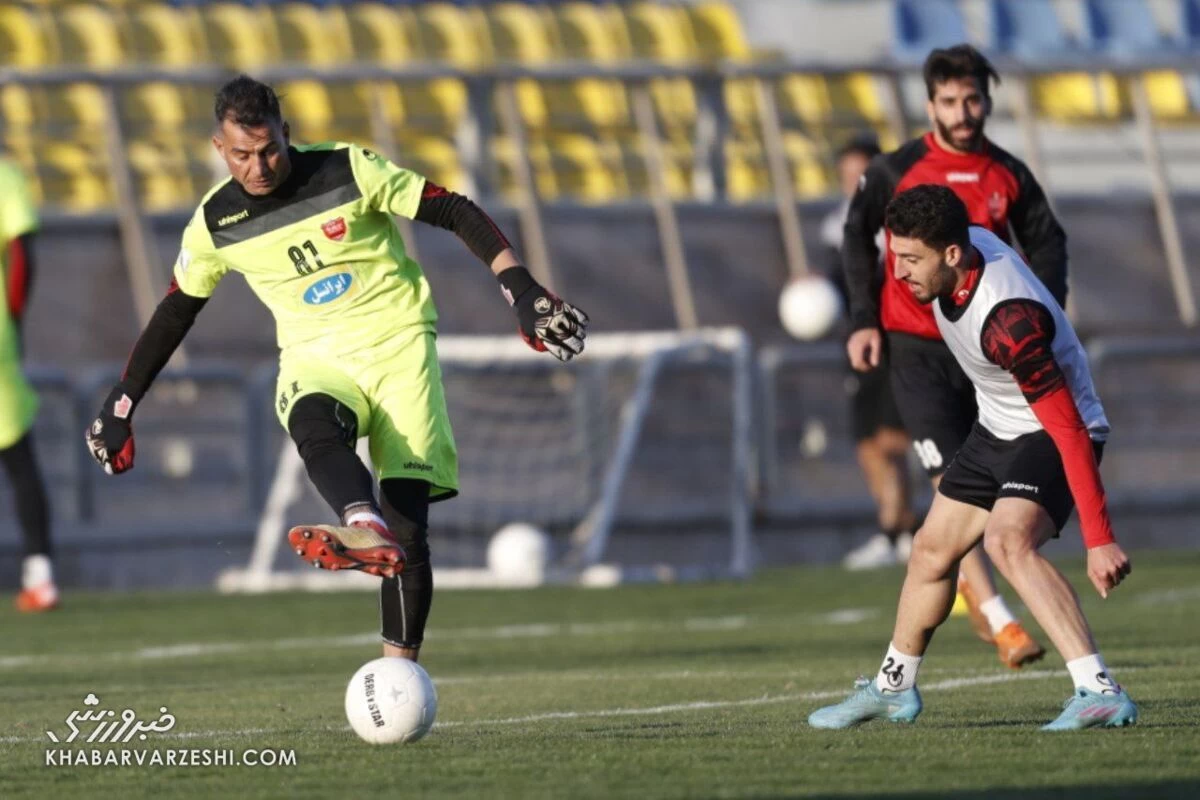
[
  {"x": 164, "y": 35},
  {"x": 382, "y": 34},
  {"x": 320, "y": 112},
  {"x": 163, "y": 174},
  {"x": 565, "y": 166},
  {"x": 88, "y": 35},
  {"x": 664, "y": 33},
  {"x": 718, "y": 31},
  {"x": 73, "y": 176},
  {"x": 522, "y": 34},
  {"x": 236, "y": 35},
  {"x": 434, "y": 157},
  {"x": 1168, "y": 95},
  {"x": 1076, "y": 96},
  {"x": 449, "y": 33},
  {"x": 677, "y": 152},
  {"x": 590, "y": 32},
  {"x": 436, "y": 107},
  {"x": 311, "y": 35},
  {"x": 748, "y": 177},
  {"x": 27, "y": 38}
]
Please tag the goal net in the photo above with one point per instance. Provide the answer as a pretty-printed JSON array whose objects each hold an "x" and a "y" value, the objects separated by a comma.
[{"x": 635, "y": 459}]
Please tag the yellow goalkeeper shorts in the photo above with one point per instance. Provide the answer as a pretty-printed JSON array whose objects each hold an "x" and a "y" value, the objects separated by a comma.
[
  {"x": 18, "y": 403},
  {"x": 395, "y": 390}
]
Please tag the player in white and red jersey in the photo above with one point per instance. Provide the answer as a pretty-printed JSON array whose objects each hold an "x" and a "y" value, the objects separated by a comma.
[{"x": 1032, "y": 456}]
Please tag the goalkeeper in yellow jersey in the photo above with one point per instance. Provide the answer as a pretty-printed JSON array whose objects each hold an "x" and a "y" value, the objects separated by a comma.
[
  {"x": 18, "y": 402},
  {"x": 311, "y": 230}
]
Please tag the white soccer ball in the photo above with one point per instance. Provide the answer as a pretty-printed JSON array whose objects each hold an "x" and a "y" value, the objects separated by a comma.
[
  {"x": 391, "y": 700},
  {"x": 809, "y": 307},
  {"x": 518, "y": 554}
]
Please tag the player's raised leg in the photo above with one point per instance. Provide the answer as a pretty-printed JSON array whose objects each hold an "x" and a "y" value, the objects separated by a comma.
[
  {"x": 950, "y": 530},
  {"x": 325, "y": 431},
  {"x": 1015, "y": 531},
  {"x": 405, "y": 600}
]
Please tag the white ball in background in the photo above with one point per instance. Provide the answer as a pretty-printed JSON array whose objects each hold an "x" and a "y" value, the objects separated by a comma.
[
  {"x": 518, "y": 553},
  {"x": 391, "y": 700},
  {"x": 809, "y": 307}
]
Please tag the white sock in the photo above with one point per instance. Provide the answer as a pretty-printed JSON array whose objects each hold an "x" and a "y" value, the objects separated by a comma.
[
  {"x": 366, "y": 515},
  {"x": 1089, "y": 672},
  {"x": 898, "y": 671},
  {"x": 997, "y": 613},
  {"x": 36, "y": 571}
]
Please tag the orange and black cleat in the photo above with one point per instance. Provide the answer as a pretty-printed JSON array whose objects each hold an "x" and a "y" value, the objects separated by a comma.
[
  {"x": 363, "y": 546},
  {"x": 1016, "y": 647}
]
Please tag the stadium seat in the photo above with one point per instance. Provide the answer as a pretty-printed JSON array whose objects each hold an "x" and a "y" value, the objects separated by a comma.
[
  {"x": 1127, "y": 29},
  {"x": 88, "y": 35},
  {"x": 921, "y": 25},
  {"x": 163, "y": 35},
  {"x": 448, "y": 33},
  {"x": 718, "y": 31},
  {"x": 590, "y": 32},
  {"x": 26, "y": 37},
  {"x": 382, "y": 34},
  {"x": 237, "y": 36},
  {"x": 749, "y": 178},
  {"x": 1028, "y": 29},
  {"x": 312, "y": 34},
  {"x": 318, "y": 111}
]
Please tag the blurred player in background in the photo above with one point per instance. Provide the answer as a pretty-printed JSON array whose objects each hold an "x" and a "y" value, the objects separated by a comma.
[
  {"x": 934, "y": 396},
  {"x": 311, "y": 230},
  {"x": 880, "y": 441},
  {"x": 18, "y": 402},
  {"x": 1031, "y": 456}
]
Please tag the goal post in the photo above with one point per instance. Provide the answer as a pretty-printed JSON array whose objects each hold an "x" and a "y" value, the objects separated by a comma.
[{"x": 645, "y": 432}]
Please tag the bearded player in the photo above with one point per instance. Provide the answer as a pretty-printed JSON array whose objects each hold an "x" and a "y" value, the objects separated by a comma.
[{"x": 1032, "y": 455}]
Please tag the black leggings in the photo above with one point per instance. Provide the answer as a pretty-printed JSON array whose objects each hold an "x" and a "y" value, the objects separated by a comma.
[
  {"x": 325, "y": 432},
  {"x": 33, "y": 512}
]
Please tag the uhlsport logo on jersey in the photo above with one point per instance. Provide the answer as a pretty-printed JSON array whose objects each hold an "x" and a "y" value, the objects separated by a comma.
[
  {"x": 328, "y": 289},
  {"x": 335, "y": 229}
]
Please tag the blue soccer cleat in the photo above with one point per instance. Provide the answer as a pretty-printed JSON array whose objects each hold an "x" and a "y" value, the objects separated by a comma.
[
  {"x": 868, "y": 703},
  {"x": 1088, "y": 709}
]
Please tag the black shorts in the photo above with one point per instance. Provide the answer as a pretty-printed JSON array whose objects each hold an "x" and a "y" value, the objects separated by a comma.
[
  {"x": 987, "y": 468},
  {"x": 872, "y": 405},
  {"x": 934, "y": 396}
]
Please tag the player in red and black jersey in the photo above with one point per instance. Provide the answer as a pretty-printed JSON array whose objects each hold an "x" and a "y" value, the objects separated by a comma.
[{"x": 935, "y": 400}]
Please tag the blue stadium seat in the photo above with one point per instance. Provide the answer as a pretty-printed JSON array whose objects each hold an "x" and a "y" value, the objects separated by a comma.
[
  {"x": 1123, "y": 28},
  {"x": 1189, "y": 13},
  {"x": 921, "y": 25},
  {"x": 1027, "y": 28}
]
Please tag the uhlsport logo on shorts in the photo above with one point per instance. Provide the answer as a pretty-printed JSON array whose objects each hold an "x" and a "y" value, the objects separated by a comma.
[
  {"x": 328, "y": 289},
  {"x": 97, "y": 737}
]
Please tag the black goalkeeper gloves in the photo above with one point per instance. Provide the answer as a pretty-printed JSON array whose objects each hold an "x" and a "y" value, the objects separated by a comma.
[
  {"x": 546, "y": 323},
  {"x": 110, "y": 436}
]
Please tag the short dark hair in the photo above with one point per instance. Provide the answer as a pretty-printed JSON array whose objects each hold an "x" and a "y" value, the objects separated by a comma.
[
  {"x": 247, "y": 102},
  {"x": 955, "y": 63},
  {"x": 931, "y": 213},
  {"x": 865, "y": 146}
]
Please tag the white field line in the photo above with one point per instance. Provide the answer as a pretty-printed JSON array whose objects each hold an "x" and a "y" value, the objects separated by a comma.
[
  {"x": 701, "y": 705},
  {"x": 848, "y": 616}
]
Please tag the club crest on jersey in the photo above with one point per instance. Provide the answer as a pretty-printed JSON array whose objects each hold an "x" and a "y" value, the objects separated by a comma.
[
  {"x": 328, "y": 289},
  {"x": 335, "y": 228}
]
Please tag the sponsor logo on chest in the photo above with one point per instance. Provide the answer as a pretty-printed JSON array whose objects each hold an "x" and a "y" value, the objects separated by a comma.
[
  {"x": 334, "y": 229},
  {"x": 328, "y": 289},
  {"x": 962, "y": 177}
]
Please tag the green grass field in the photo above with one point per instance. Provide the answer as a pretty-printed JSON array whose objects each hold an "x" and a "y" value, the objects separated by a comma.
[{"x": 663, "y": 691}]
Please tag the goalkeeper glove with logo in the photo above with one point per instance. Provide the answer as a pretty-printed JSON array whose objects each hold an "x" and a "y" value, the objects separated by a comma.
[
  {"x": 545, "y": 322},
  {"x": 110, "y": 436}
]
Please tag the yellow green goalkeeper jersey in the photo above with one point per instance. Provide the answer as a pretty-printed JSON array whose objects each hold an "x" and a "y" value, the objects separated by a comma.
[
  {"x": 18, "y": 216},
  {"x": 322, "y": 251}
]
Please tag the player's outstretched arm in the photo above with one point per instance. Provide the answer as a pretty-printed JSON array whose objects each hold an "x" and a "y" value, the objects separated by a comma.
[
  {"x": 1018, "y": 337},
  {"x": 546, "y": 323},
  {"x": 110, "y": 436}
]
